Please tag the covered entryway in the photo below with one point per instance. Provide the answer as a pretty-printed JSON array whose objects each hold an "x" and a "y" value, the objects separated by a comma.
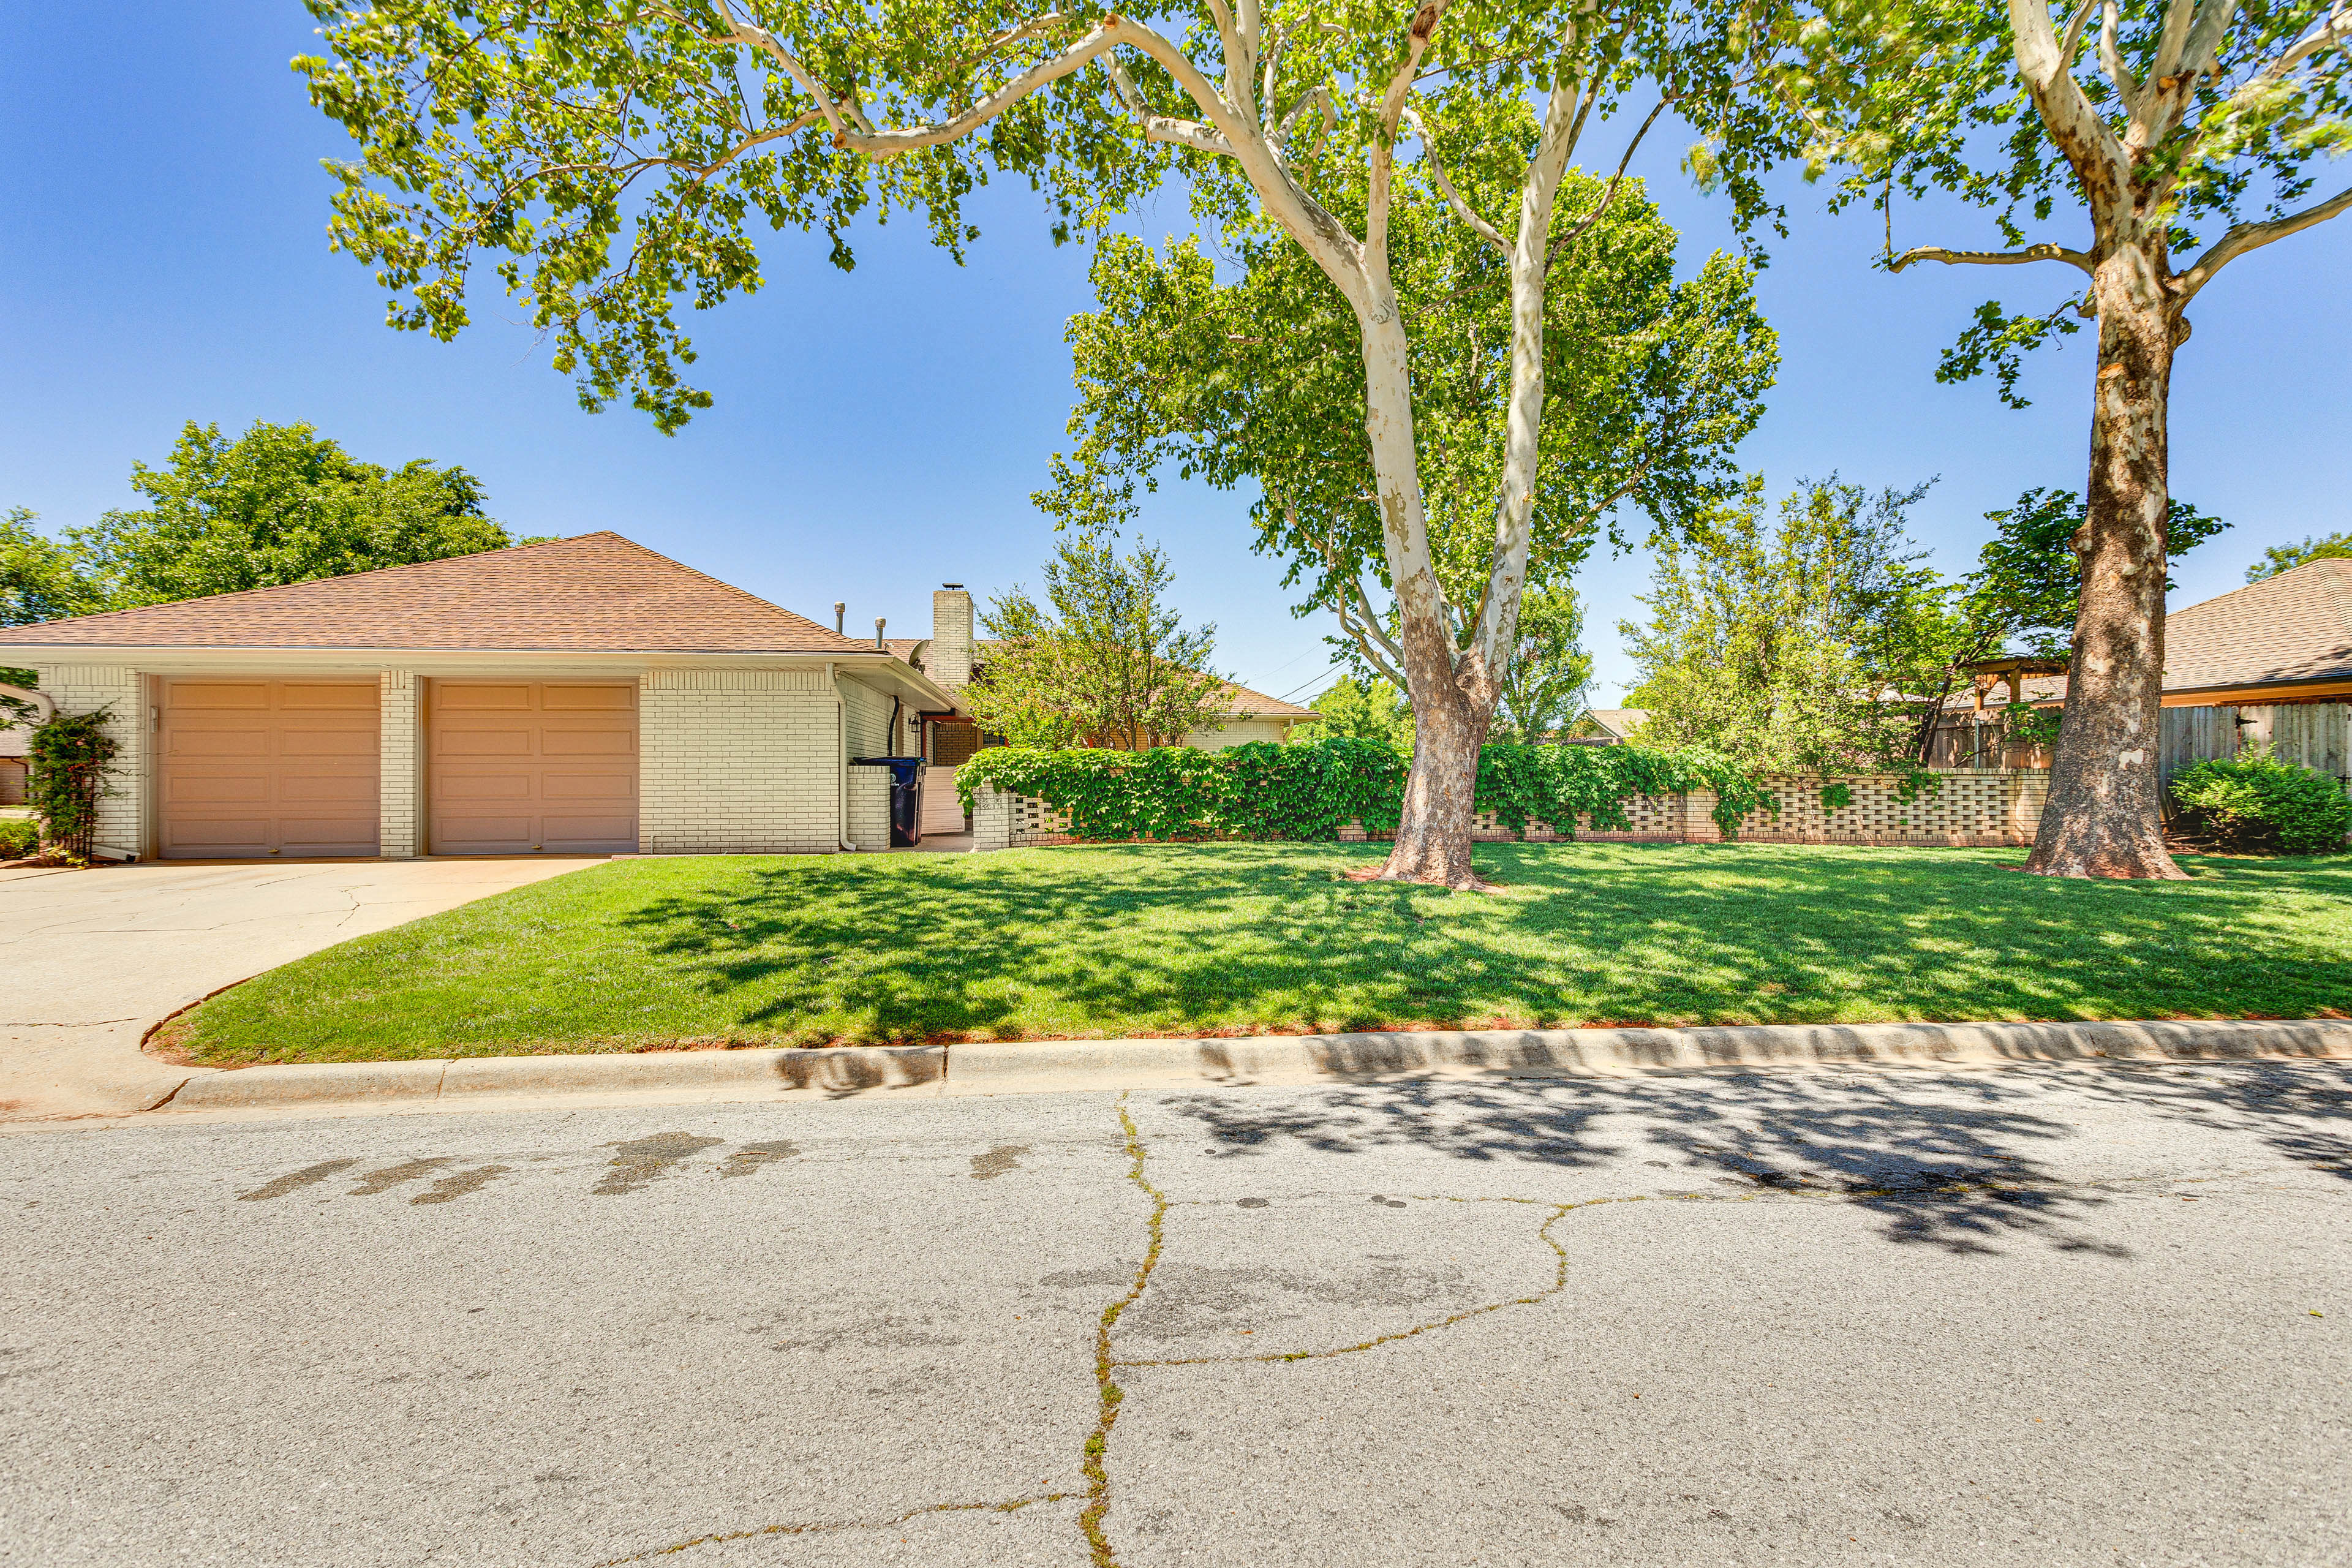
[
  {"x": 523, "y": 767},
  {"x": 252, "y": 768}
]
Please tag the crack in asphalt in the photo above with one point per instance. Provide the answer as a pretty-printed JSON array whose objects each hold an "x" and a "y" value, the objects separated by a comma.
[
  {"x": 836, "y": 1526},
  {"x": 1109, "y": 1395}
]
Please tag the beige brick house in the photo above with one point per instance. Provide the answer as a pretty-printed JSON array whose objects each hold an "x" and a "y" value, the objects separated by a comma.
[{"x": 580, "y": 695}]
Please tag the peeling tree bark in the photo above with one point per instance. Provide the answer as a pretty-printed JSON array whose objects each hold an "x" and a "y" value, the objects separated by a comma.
[{"x": 2104, "y": 814}]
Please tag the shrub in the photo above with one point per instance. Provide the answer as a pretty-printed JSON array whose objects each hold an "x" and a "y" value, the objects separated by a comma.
[
  {"x": 19, "y": 837},
  {"x": 1309, "y": 792},
  {"x": 69, "y": 756},
  {"x": 2258, "y": 802}
]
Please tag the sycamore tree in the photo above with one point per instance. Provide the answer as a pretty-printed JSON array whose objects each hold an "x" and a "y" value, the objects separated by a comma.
[
  {"x": 1105, "y": 661},
  {"x": 610, "y": 161},
  {"x": 1249, "y": 382},
  {"x": 2144, "y": 144}
]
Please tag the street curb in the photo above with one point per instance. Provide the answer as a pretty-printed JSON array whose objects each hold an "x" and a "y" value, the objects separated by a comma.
[
  {"x": 847, "y": 1070},
  {"x": 1017, "y": 1067}
]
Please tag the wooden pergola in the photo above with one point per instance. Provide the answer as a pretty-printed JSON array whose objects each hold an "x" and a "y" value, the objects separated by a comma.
[{"x": 1986, "y": 673}]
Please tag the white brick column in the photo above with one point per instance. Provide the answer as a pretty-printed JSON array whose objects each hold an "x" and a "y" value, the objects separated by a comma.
[
  {"x": 122, "y": 799},
  {"x": 400, "y": 715}
]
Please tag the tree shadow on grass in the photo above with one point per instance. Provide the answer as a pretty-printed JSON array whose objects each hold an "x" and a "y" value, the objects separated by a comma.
[
  {"x": 1176, "y": 939},
  {"x": 1946, "y": 1162}
]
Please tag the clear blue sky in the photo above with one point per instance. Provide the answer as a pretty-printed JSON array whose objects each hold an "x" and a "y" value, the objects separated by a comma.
[{"x": 162, "y": 258}]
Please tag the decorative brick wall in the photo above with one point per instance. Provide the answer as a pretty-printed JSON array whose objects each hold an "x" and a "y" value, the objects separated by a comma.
[
  {"x": 400, "y": 791},
  {"x": 1982, "y": 808},
  {"x": 736, "y": 762},
  {"x": 121, "y": 828}
]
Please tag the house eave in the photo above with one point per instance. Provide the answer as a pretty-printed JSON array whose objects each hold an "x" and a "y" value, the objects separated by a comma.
[{"x": 876, "y": 666}]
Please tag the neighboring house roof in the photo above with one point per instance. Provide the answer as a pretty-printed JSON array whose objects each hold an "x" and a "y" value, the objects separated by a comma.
[
  {"x": 2291, "y": 628},
  {"x": 1621, "y": 721},
  {"x": 1248, "y": 704},
  {"x": 2296, "y": 626},
  {"x": 595, "y": 593}
]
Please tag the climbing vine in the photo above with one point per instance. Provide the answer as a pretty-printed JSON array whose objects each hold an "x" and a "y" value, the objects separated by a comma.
[
  {"x": 68, "y": 760},
  {"x": 1309, "y": 793}
]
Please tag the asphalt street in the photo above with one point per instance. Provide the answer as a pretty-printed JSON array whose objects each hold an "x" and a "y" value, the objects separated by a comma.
[{"x": 2017, "y": 1315}]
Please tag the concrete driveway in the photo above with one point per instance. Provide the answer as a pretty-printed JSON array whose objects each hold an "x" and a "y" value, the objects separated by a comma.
[{"x": 93, "y": 958}]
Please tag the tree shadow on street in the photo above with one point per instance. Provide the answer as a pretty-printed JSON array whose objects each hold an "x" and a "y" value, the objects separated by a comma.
[
  {"x": 2302, "y": 1109},
  {"x": 1950, "y": 1163}
]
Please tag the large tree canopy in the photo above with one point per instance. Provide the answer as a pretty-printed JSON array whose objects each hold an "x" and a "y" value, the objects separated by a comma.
[
  {"x": 1650, "y": 384},
  {"x": 280, "y": 503},
  {"x": 612, "y": 162},
  {"x": 2144, "y": 144}
]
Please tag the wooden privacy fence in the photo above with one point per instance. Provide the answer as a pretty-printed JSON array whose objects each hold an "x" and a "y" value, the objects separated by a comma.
[{"x": 2318, "y": 735}]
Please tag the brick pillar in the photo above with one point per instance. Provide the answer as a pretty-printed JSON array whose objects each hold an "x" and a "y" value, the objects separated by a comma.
[
  {"x": 121, "y": 831},
  {"x": 400, "y": 750}
]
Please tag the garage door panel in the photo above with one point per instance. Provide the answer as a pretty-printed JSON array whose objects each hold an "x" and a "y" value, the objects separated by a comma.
[
  {"x": 483, "y": 696},
  {"x": 221, "y": 696},
  {"x": 217, "y": 743},
  {"x": 499, "y": 743},
  {"x": 569, "y": 742},
  {"x": 320, "y": 696},
  {"x": 248, "y": 788},
  {"x": 324, "y": 789},
  {"x": 523, "y": 767},
  {"x": 560, "y": 699},
  {"x": 607, "y": 790},
  {"x": 253, "y": 768},
  {"x": 459, "y": 788},
  {"x": 297, "y": 743},
  {"x": 222, "y": 835}
]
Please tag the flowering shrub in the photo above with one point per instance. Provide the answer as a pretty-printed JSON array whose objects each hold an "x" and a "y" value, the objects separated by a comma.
[
  {"x": 68, "y": 757},
  {"x": 1309, "y": 792}
]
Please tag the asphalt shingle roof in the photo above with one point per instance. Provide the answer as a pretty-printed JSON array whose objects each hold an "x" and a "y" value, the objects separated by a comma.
[
  {"x": 2296, "y": 626},
  {"x": 595, "y": 593}
]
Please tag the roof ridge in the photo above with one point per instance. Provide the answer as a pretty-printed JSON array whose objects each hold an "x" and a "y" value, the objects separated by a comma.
[{"x": 334, "y": 577}]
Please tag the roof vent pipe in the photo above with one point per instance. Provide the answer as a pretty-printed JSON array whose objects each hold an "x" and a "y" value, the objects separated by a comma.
[
  {"x": 840, "y": 618},
  {"x": 878, "y": 624}
]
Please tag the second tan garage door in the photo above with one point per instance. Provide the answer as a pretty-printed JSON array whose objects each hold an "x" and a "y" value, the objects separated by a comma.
[{"x": 520, "y": 767}]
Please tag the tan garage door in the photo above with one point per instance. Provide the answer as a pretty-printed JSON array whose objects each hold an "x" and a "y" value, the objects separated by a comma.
[
  {"x": 254, "y": 768},
  {"x": 517, "y": 767}
]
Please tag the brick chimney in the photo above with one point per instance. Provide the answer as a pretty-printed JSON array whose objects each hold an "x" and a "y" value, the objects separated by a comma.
[{"x": 948, "y": 661}]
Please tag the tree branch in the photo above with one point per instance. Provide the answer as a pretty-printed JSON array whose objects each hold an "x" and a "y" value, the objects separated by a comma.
[
  {"x": 2242, "y": 237},
  {"x": 1462, "y": 209},
  {"x": 1609, "y": 195},
  {"x": 1990, "y": 257},
  {"x": 1161, "y": 127}
]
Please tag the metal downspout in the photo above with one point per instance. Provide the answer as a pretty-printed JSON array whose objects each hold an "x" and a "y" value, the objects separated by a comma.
[{"x": 840, "y": 760}]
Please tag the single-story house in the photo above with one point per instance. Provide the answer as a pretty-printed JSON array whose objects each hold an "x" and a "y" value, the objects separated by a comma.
[
  {"x": 580, "y": 696},
  {"x": 1615, "y": 726},
  {"x": 2270, "y": 662}
]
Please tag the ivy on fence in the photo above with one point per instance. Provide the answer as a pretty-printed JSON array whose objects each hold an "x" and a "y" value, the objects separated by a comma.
[{"x": 1309, "y": 793}]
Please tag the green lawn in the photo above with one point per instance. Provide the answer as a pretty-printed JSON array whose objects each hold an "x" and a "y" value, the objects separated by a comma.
[{"x": 1238, "y": 938}]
